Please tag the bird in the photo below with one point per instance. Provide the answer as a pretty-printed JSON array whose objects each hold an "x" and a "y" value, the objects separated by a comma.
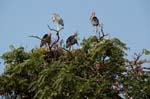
[
  {"x": 71, "y": 40},
  {"x": 95, "y": 22},
  {"x": 56, "y": 18},
  {"x": 46, "y": 40}
]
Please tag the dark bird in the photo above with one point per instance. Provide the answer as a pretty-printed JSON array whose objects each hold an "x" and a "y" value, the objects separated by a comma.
[
  {"x": 94, "y": 20},
  {"x": 56, "y": 18},
  {"x": 46, "y": 40},
  {"x": 95, "y": 23},
  {"x": 71, "y": 41}
]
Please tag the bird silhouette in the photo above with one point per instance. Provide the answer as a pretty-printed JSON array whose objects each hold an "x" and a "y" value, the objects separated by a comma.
[
  {"x": 71, "y": 40},
  {"x": 95, "y": 22},
  {"x": 46, "y": 40}
]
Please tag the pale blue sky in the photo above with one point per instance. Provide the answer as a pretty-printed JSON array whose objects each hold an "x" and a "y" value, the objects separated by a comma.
[{"x": 128, "y": 20}]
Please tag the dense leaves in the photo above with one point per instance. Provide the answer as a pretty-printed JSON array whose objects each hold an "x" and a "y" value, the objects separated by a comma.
[{"x": 97, "y": 70}]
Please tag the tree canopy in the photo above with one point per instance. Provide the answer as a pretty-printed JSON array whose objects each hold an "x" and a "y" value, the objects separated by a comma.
[{"x": 98, "y": 69}]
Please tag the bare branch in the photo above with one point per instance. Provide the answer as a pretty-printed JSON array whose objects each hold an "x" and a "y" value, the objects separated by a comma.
[
  {"x": 137, "y": 57},
  {"x": 57, "y": 33},
  {"x": 35, "y": 37},
  {"x": 38, "y": 38},
  {"x": 104, "y": 36},
  {"x": 52, "y": 29}
]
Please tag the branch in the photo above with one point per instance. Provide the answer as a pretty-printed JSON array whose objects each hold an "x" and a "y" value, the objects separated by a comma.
[
  {"x": 40, "y": 39},
  {"x": 57, "y": 33},
  {"x": 36, "y": 37},
  {"x": 104, "y": 36},
  {"x": 55, "y": 41},
  {"x": 52, "y": 29},
  {"x": 137, "y": 57}
]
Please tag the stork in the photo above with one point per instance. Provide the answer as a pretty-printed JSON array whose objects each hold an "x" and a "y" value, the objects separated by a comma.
[
  {"x": 71, "y": 41},
  {"x": 46, "y": 40},
  {"x": 95, "y": 22},
  {"x": 56, "y": 18}
]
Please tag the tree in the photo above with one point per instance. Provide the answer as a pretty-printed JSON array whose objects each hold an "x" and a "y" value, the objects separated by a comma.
[{"x": 96, "y": 70}]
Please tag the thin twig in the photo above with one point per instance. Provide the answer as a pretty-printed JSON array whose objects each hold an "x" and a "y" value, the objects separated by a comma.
[
  {"x": 137, "y": 57},
  {"x": 40, "y": 39},
  {"x": 103, "y": 36},
  {"x": 36, "y": 37},
  {"x": 51, "y": 29}
]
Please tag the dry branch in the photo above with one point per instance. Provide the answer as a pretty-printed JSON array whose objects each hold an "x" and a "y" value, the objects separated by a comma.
[
  {"x": 36, "y": 37},
  {"x": 57, "y": 33}
]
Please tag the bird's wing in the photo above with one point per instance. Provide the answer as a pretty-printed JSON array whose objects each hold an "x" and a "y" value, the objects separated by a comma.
[
  {"x": 95, "y": 21},
  {"x": 69, "y": 38},
  {"x": 45, "y": 35},
  {"x": 68, "y": 41},
  {"x": 61, "y": 22}
]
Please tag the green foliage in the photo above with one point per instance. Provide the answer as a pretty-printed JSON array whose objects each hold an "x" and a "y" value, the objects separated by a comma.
[{"x": 97, "y": 70}]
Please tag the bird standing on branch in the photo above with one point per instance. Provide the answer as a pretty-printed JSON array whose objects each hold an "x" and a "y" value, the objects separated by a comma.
[
  {"x": 95, "y": 22},
  {"x": 56, "y": 18},
  {"x": 71, "y": 40},
  {"x": 46, "y": 40}
]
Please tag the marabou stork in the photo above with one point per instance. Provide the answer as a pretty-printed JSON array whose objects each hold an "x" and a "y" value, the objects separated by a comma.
[
  {"x": 46, "y": 40},
  {"x": 95, "y": 22},
  {"x": 71, "y": 40}
]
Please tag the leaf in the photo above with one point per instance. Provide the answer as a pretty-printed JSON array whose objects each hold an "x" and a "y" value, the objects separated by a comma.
[{"x": 146, "y": 52}]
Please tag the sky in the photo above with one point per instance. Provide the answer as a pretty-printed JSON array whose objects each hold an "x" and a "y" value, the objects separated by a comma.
[{"x": 128, "y": 20}]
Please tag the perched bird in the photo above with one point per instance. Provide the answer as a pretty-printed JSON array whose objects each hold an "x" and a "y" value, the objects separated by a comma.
[
  {"x": 46, "y": 40},
  {"x": 56, "y": 18},
  {"x": 71, "y": 40},
  {"x": 95, "y": 23},
  {"x": 94, "y": 20}
]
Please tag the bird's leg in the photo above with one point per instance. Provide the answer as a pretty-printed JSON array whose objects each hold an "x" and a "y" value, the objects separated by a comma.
[
  {"x": 101, "y": 26},
  {"x": 58, "y": 27},
  {"x": 97, "y": 31}
]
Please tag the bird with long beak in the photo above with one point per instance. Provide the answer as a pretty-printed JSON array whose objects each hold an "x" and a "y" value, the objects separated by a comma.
[
  {"x": 56, "y": 18},
  {"x": 46, "y": 40},
  {"x": 71, "y": 40},
  {"x": 95, "y": 22}
]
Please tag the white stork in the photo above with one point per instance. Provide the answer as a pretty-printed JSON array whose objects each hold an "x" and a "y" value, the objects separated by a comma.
[
  {"x": 56, "y": 18},
  {"x": 71, "y": 41},
  {"x": 46, "y": 40}
]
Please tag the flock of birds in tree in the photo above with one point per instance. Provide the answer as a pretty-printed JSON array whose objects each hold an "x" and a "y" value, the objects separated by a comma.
[{"x": 71, "y": 40}]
